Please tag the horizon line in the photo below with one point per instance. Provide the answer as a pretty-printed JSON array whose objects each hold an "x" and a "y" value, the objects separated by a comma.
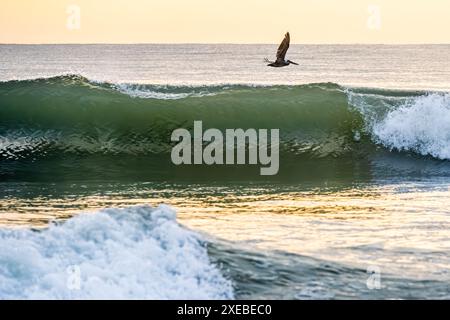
[{"x": 219, "y": 43}]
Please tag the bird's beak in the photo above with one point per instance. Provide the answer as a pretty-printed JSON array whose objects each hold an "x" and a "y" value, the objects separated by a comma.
[{"x": 293, "y": 62}]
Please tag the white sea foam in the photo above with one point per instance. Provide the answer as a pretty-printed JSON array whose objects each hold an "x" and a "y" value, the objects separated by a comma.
[
  {"x": 144, "y": 92},
  {"x": 136, "y": 252},
  {"x": 421, "y": 124}
]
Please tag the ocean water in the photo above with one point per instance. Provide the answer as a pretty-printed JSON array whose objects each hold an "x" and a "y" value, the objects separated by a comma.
[{"x": 91, "y": 205}]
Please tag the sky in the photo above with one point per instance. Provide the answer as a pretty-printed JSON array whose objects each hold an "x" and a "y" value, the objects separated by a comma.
[{"x": 224, "y": 21}]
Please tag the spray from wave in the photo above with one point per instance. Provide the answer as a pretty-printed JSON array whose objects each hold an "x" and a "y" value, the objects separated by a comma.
[
  {"x": 136, "y": 252},
  {"x": 421, "y": 125}
]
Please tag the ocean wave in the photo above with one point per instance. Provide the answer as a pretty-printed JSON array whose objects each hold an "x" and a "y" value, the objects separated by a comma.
[
  {"x": 72, "y": 115},
  {"x": 131, "y": 253}
]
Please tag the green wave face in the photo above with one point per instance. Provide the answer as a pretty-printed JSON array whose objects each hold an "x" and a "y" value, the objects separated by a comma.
[{"x": 70, "y": 126}]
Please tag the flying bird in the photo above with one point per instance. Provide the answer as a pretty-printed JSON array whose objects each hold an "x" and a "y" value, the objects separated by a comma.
[{"x": 281, "y": 54}]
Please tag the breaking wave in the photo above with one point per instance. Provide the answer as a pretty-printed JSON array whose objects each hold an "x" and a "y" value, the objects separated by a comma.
[
  {"x": 67, "y": 116},
  {"x": 421, "y": 125}
]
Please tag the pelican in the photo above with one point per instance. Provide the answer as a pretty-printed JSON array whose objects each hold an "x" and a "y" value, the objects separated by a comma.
[{"x": 281, "y": 54}]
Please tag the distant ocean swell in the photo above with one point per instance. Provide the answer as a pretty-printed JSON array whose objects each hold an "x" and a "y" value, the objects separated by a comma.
[
  {"x": 131, "y": 253},
  {"x": 70, "y": 115}
]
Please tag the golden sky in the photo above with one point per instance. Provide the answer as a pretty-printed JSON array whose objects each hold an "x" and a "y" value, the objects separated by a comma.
[{"x": 224, "y": 21}]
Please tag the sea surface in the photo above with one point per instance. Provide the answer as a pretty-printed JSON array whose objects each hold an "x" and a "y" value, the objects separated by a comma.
[{"x": 91, "y": 205}]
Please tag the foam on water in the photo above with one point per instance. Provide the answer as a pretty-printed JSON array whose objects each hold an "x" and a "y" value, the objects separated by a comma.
[
  {"x": 136, "y": 252},
  {"x": 142, "y": 91},
  {"x": 421, "y": 124}
]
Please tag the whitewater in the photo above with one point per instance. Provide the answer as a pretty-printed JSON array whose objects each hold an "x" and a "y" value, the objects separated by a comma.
[{"x": 138, "y": 252}]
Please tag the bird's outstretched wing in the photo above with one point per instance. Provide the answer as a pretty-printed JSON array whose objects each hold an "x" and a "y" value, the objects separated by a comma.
[{"x": 284, "y": 46}]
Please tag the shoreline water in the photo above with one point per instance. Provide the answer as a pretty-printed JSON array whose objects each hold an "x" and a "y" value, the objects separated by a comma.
[{"x": 327, "y": 233}]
